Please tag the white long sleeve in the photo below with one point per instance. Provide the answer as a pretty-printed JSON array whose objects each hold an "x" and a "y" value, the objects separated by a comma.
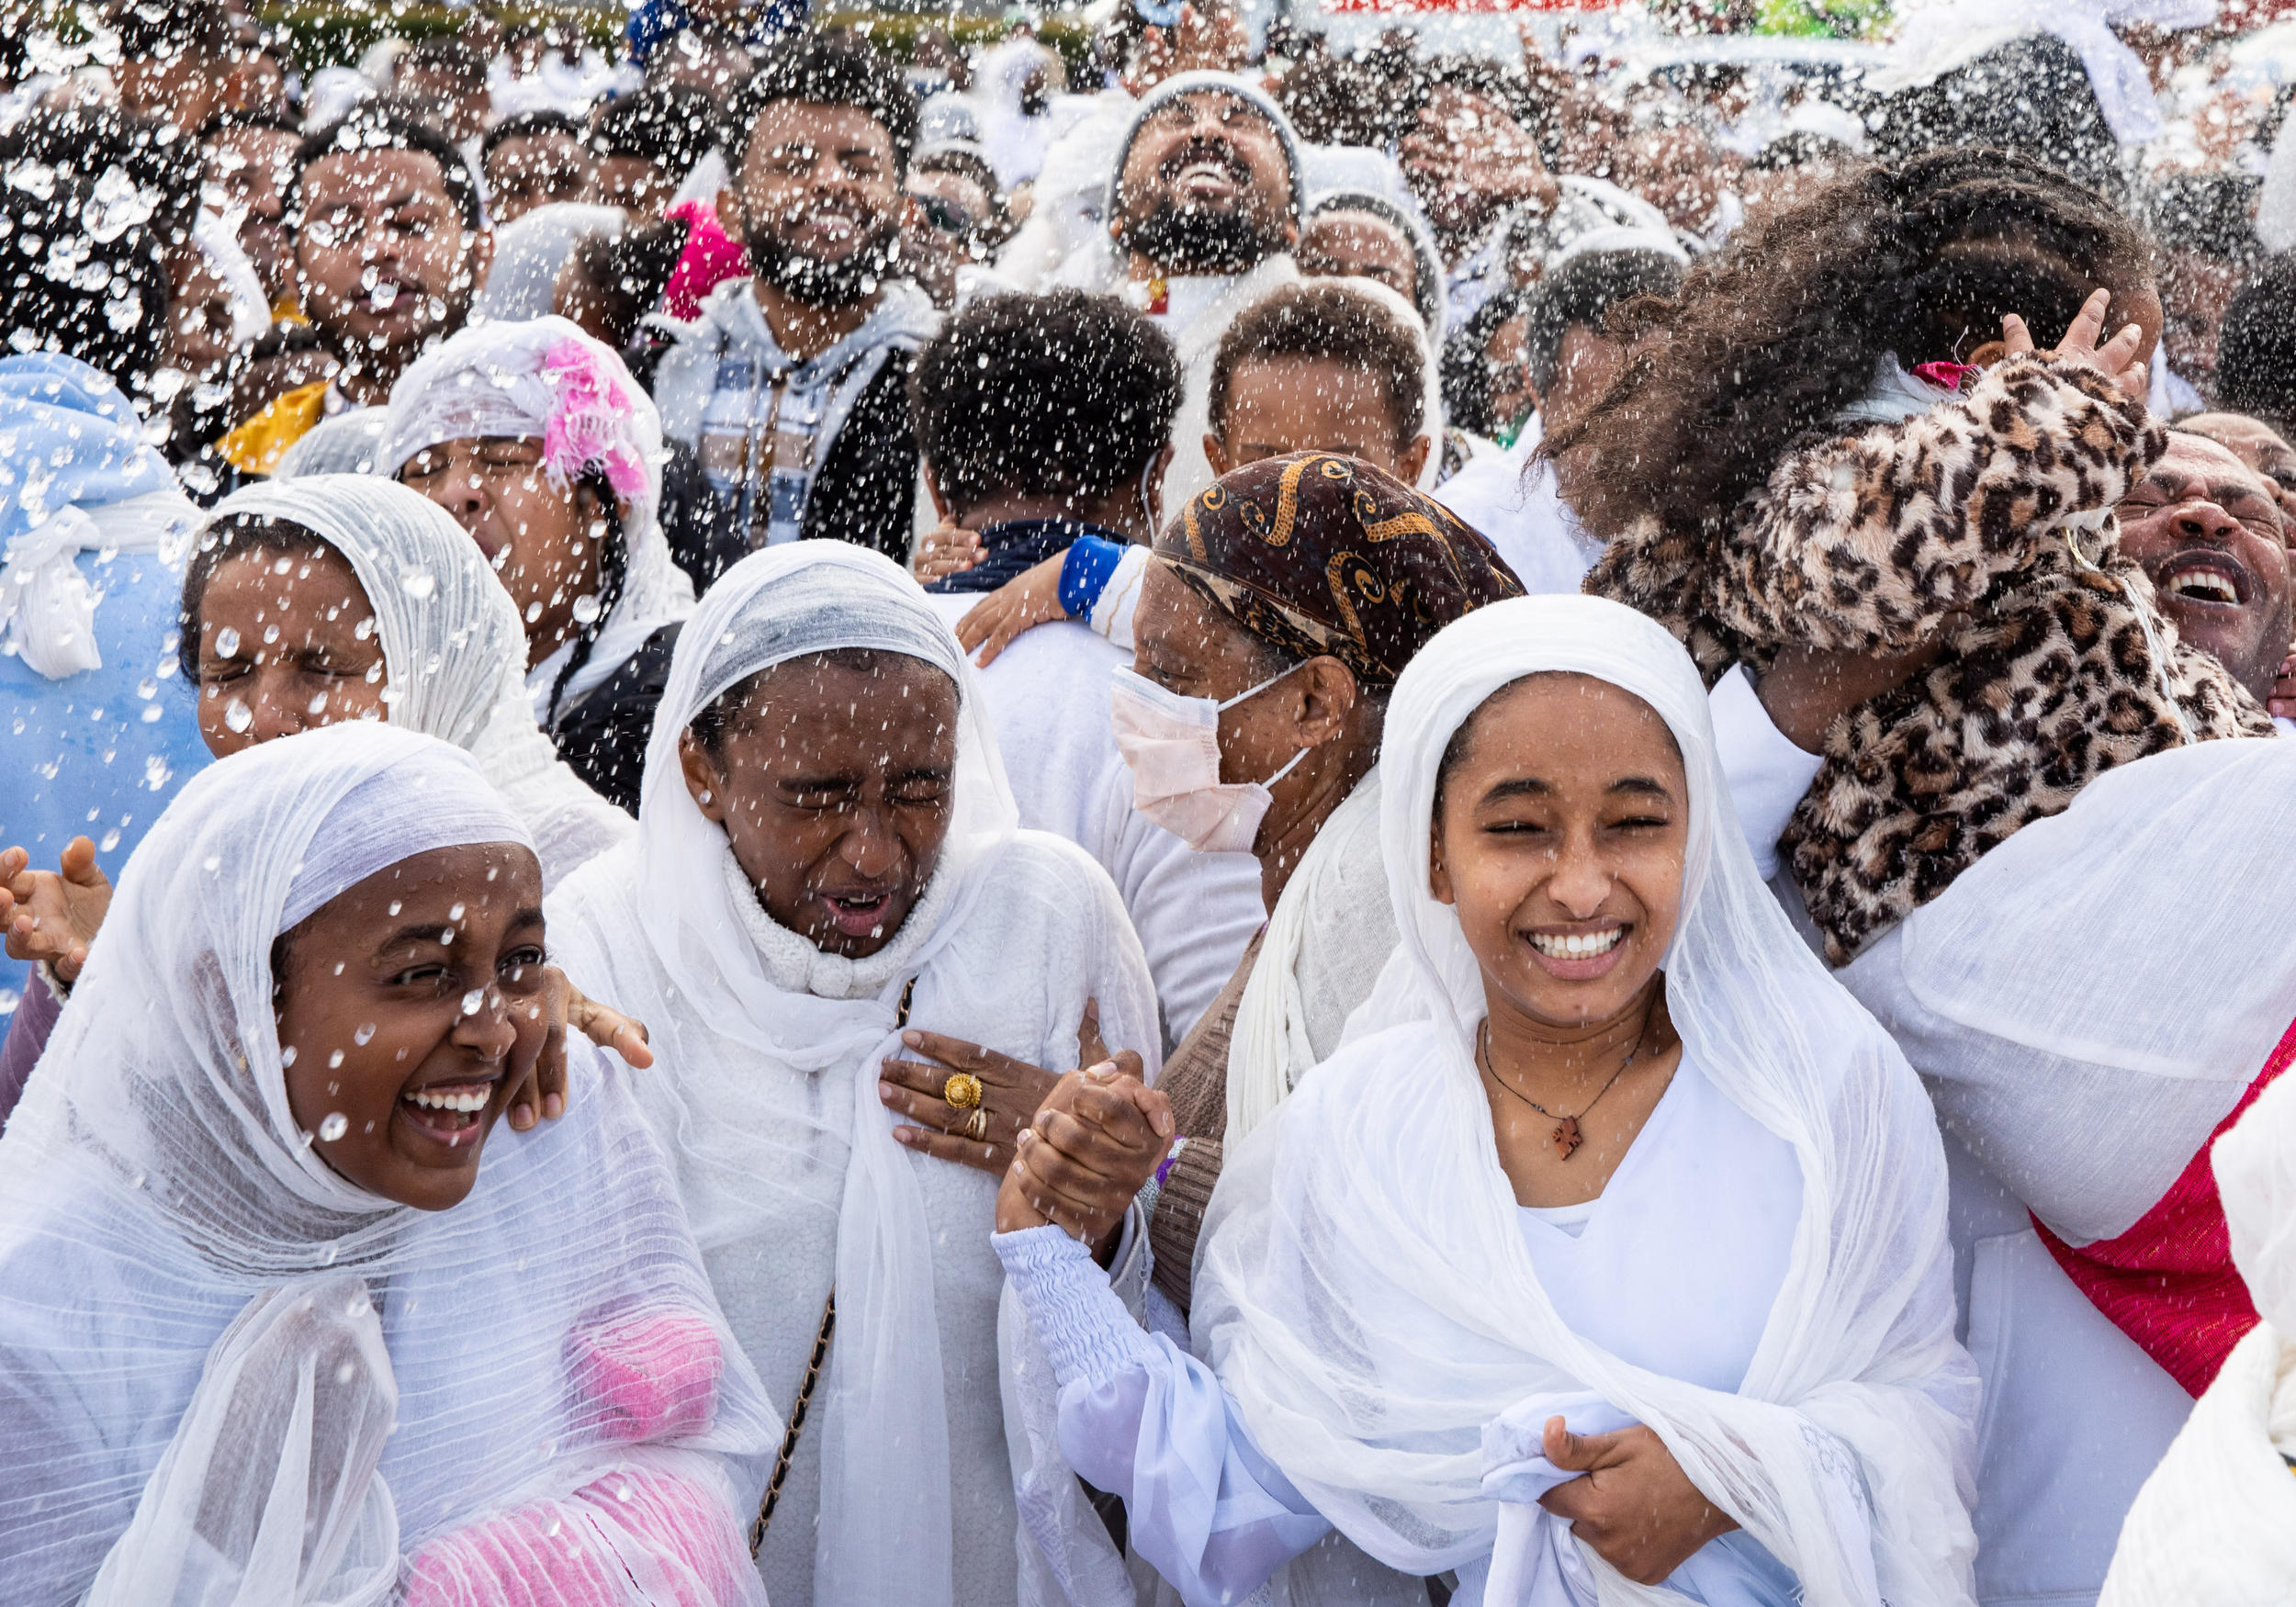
[
  {"x": 1767, "y": 772},
  {"x": 1141, "y": 1419}
]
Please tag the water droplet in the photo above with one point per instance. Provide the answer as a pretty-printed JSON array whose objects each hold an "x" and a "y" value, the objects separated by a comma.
[
  {"x": 455, "y": 914},
  {"x": 346, "y": 1373},
  {"x": 418, "y": 584},
  {"x": 472, "y": 1000},
  {"x": 335, "y": 1125},
  {"x": 585, "y": 609},
  {"x": 270, "y": 634},
  {"x": 286, "y": 1055},
  {"x": 238, "y": 715},
  {"x": 364, "y": 1034},
  {"x": 317, "y": 706},
  {"x": 327, "y": 1256},
  {"x": 226, "y": 642},
  {"x": 212, "y": 863},
  {"x": 334, "y": 1060},
  {"x": 395, "y": 907},
  {"x": 110, "y": 840}
]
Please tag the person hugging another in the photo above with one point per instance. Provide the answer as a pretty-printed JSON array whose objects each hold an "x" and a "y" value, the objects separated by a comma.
[{"x": 792, "y": 383}]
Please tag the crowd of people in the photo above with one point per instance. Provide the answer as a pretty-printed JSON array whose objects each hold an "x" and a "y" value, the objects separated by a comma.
[{"x": 695, "y": 721}]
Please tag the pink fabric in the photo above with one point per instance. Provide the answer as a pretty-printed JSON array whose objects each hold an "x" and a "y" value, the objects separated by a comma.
[
  {"x": 654, "y": 1375},
  {"x": 2169, "y": 1283},
  {"x": 638, "y": 1534},
  {"x": 711, "y": 257},
  {"x": 588, "y": 406},
  {"x": 28, "y": 1026}
]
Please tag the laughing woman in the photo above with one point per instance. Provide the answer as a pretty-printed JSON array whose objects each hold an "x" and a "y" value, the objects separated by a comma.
[
  {"x": 827, "y": 852},
  {"x": 1439, "y": 1300},
  {"x": 281, "y": 1318}
]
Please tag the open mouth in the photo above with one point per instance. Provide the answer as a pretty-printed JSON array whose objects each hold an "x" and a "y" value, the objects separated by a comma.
[
  {"x": 1580, "y": 953},
  {"x": 1206, "y": 172},
  {"x": 2211, "y": 578},
  {"x": 451, "y": 1113},
  {"x": 858, "y": 915}
]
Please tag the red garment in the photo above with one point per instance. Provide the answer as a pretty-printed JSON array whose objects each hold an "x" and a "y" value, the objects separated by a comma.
[
  {"x": 2169, "y": 1283},
  {"x": 711, "y": 257}
]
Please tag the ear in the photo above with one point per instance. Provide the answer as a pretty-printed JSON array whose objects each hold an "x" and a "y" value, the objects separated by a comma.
[
  {"x": 1155, "y": 489},
  {"x": 702, "y": 778},
  {"x": 1414, "y": 459},
  {"x": 1216, "y": 456},
  {"x": 932, "y": 490},
  {"x": 1328, "y": 695},
  {"x": 1438, "y": 877}
]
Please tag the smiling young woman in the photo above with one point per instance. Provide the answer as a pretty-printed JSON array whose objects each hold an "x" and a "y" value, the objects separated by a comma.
[{"x": 313, "y": 1290}]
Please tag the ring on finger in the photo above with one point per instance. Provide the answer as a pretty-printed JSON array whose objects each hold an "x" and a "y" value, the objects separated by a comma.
[
  {"x": 962, "y": 1091},
  {"x": 976, "y": 1126}
]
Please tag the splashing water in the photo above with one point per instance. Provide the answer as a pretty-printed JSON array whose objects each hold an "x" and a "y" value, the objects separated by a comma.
[
  {"x": 364, "y": 1034},
  {"x": 226, "y": 642},
  {"x": 418, "y": 584},
  {"x": 238, "y": 715},
  {"x": 334, "y": 1125},
  {"x": 473, "y": 1000}
]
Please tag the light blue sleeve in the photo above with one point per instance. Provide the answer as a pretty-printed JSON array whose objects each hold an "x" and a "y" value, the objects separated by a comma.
[{"x": 1145, "y": 1420}]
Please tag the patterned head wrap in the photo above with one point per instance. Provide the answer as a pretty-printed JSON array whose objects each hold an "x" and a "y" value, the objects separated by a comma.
[{"x": 1316, "y": 553}]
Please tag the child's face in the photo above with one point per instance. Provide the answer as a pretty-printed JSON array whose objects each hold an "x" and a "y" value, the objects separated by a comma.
[{"x": 1279, "y": 405}]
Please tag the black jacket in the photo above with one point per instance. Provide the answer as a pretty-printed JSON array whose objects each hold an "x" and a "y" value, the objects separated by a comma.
[{"x": 603, "y": 734}]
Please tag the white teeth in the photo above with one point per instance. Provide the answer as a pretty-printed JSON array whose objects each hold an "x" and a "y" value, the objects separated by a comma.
[
  {"x": 2204, "y": 583},
  {"x": 469, "y": 1104},
  {"x": 1577, "y": 945}
]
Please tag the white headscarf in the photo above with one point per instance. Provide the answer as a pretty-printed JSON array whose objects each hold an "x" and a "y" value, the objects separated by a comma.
[
  {"x": 883, "y": 1534},
  {"x": 207, "y": 1331},
  {"x": 1364, "y": 1287},
  {"x": 547, "y": 380},
  {"x": 453, "y": 651}
]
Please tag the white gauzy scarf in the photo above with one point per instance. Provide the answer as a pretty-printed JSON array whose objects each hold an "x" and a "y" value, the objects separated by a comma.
[
  {"x": 453, "y": 651},
  {"x": 2215, "y": 1525},
  {"x": 1364, "y": 1287},
  {"x": 884, "y": 1523},
  {"x": 235, "y": 1375}
]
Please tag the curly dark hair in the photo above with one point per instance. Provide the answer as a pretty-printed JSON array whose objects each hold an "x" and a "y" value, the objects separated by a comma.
[
  {"x": 1775, "y": 335},
  {"x": 1062, "y": 394},
  {"x": 822, "y": 70}
]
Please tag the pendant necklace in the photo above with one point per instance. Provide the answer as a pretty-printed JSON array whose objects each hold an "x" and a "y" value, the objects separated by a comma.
[{"x": 1565, "y": 1137}]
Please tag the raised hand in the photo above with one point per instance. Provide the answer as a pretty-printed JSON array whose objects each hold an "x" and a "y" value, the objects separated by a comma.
[
  {"x": 541, "y": 1093},
  {"x": 1634, "y": 1504},
  {"x": 52, "y": 915},
  {"x": 947, "y": 548},
  {"x": 1032, "y": 598},
  {"x": 2116, "y": 359}
]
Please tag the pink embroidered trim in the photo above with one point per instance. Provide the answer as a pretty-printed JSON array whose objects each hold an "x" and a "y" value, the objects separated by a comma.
[
  {"x": 585, "y": 427},
  {"x": 1944, "y": 376}
]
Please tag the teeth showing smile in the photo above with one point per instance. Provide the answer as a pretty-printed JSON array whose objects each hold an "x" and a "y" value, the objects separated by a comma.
[
  {"x": 469, "y": 1104},
  {"x": 1577, "y": 945},
  {"x": 2205, "y": 584}
]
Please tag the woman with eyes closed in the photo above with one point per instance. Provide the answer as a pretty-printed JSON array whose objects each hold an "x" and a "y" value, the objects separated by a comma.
[
  {"x": 1440, "y": 1297},
  {"x": 826, "y": 854},
  {"x": 282, "y": 1319}
]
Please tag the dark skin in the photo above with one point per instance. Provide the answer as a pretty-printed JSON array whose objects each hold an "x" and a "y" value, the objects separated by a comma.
[
  {"x": 535, "y": 170},
  {"x": 1563, "y": 823},
  {"x": 2210, "y": 534},
  {"x": 1205, "y": 151},
  {"x": 419, "y": 988}
]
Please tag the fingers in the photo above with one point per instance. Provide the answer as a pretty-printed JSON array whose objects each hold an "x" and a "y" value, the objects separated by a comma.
[
  {"x": 918, "y": 1104},
  {"x": 916, "y": 1078},
  {"x": 974, "y": 628},
  {"x": 2016, "y": 339},
  {"x": 13, "y": 861},
  {"x": 2087, "y": 324},
  {"x": 67, "y": 966},
  {"x": 609, "y": 1029},
  {"x": 957, "y": 1053},
  {"x": 1579, "y": 1453},
  {"x": 1001, "y": 634},
  {"x": 2119, "y": 354},
  {"x": 77, "y": 863},
  {"x": 1091, "y": 1048},
  {"x": 524, "y": 1108},
  {"x": 981, "y": 1157}
]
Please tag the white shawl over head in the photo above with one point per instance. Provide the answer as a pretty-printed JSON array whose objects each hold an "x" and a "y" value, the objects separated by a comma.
[
  {"x": 547, "y": 380},
  {"x": 206, "y": 1332},
  {"x": 884, "y": 1522},
  {"x": 1364, "y": 1290},
  {"x": 453, "y": 651}
]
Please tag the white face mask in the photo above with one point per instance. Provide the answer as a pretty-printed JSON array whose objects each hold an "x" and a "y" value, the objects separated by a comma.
[{"x": 1172, "y": 744}]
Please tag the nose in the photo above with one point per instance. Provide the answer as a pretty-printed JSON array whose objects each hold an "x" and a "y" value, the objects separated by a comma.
[
  {"x": 277, "y": 708},
  {"x": 487, "y": 1031},
  {"x": 2206, "y": 522},
  {"x": 463, "y": 494},
  {"x": 870, "y": 844},
  {"x": 1581, "y": 881}
]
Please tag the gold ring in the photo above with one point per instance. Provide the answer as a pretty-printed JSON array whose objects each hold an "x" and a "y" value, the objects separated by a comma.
[
  {"x": 962, "y": 1091},
  {"x": 976, "y": 1126}
]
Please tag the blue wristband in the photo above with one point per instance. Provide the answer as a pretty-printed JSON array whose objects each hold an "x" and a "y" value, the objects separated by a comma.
[{"x": 1085, "y": 573}]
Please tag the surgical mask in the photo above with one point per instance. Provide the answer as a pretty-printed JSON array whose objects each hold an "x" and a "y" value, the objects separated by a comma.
[{"x": 1173, "y": 745}]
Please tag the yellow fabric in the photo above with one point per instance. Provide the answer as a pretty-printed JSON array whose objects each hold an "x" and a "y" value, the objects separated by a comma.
[
  {"x": 284, "y": 310},
  {"x": 256, "y": 445}
]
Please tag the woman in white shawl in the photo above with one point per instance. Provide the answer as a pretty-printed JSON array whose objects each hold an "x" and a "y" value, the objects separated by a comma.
[
  {"x": 826, "y": 850},
  {"x": 537, "y": 440},
  {"x": 1440, "y": 1299},
  {"x": 279, "y": 1322}
]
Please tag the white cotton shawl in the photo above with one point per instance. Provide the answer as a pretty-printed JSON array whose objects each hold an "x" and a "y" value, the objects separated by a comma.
[
  {"x": 206, "y": 1333},
  {"x": 453, "y": 651},
  {"x": 546, "y": 379},
  {"x": 2215, "y": 1525},
  {"x": 768, "y": 1052},
  {"x": 1364, "y": 1289}
]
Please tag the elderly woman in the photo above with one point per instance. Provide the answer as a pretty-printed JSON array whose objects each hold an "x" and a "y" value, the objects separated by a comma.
[
  {"x": 282, "y": 1317},
  {"x": 1601, "y": 1083},
  {"x": 537, "y": 440},
  {"x": 826, "y": 854}
]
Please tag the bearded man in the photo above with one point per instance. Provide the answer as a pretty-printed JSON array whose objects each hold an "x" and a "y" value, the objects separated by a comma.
[{"x": 790, "y": 385}]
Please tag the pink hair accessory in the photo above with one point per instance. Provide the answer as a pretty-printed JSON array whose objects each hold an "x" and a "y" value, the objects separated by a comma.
[
  {"x": 589, "y": 407},
  {"x": 1944, "y": 376}
]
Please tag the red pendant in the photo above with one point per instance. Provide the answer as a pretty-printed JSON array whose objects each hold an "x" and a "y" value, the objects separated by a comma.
[{"x": 1566, "y": 1138}]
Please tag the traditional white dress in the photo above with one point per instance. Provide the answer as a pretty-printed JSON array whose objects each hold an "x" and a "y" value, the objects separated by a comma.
[
  {"x": 765, "y": 1092},
  {"x": 1380, "y": 1332},
  {"x": 228, "y": 1374}
]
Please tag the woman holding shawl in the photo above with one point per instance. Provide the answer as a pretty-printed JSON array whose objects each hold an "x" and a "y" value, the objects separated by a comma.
[
  {"x": 281, "y": 1320},
  {"x": 826, "y": 854},
  {"x": 1440, "y": 1300}
]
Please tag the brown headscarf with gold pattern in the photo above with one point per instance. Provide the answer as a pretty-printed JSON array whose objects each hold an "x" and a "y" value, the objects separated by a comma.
[{"x": 1316, "y": 553}]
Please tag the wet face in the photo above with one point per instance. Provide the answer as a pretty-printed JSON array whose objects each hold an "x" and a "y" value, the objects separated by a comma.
[
  {"x": 1360, "y": 245},
  {"x": 638, "y": 185},
  {"x": 287, "y": 644},
  {"x": 1561, "y": 828},
  {"x": 2195, "y": 289},
  {"x": 383, "y": 260},
  {"x": 199, "y": 321},
  {"x": 1277, "y": 405},
  {"x": 457, "y": 105},
  {"x": 2208, "y": 529},
  {"x": 945, "y": 229},
  {"x": 536, "y": 170},
  {"x": 834, "y": 777},
  {"x": 246, "y": 180},
  {"x": 1585, "y": 364},
  {"x": 543, "y": 539},
  {"x": 819, "y": 201},
  {"x": 2255, "y": 444},
  {"x": 179, "y": 88},
  {"x": 1206, "y": 188},
  {"x": 1506, "y": 361},
  {"x": 408, "y": 1008}
]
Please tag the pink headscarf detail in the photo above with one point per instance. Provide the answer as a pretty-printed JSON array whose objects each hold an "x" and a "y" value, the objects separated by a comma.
[{"x": 588, "y": 406}]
